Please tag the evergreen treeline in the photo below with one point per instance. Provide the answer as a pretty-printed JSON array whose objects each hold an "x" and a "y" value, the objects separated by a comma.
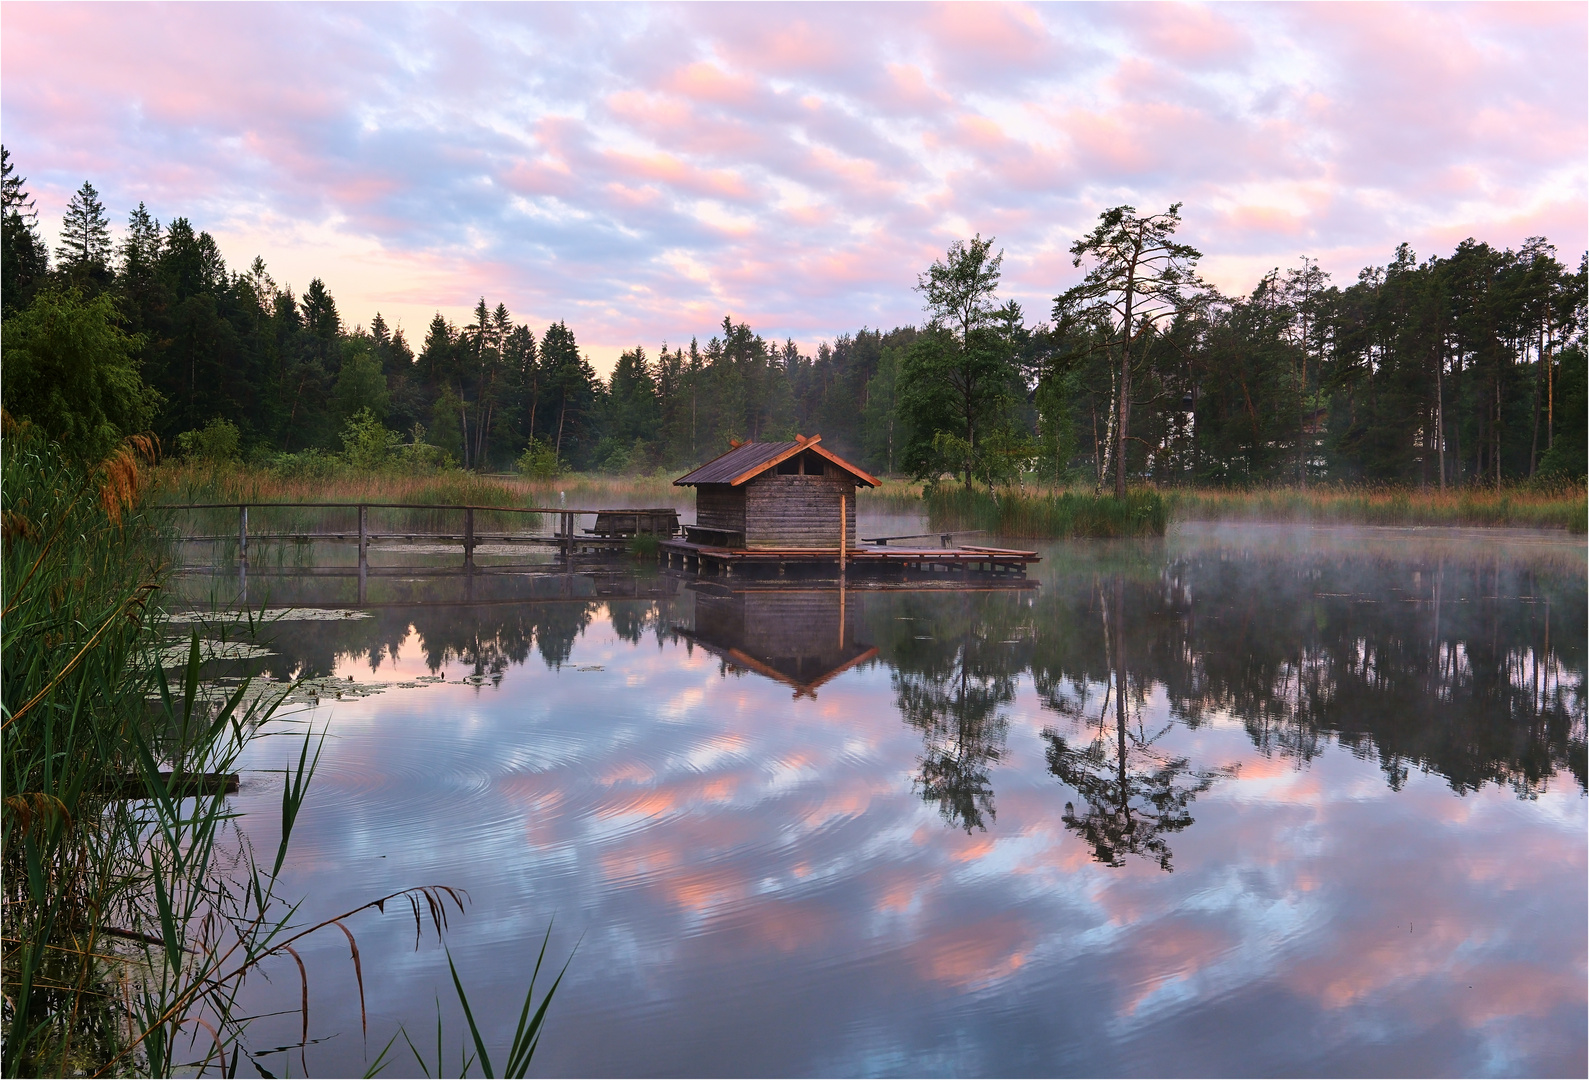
[{"x": 1451, "y": 370}]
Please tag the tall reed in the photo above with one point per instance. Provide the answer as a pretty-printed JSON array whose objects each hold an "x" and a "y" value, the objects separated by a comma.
[
  {"x": 134, "y": 907},
  {"x": 1557, "y": 506},
  {"x": 1023, "y": 514},
  {"x": 194, "y": 482}
]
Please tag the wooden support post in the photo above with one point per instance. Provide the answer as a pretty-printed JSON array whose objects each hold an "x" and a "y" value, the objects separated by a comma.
[
  {"x": 468, "y": 537},
  {"x": 844, "y": 530},
  {"x": 242, "y": 532},
  {"x": 364, "y": 533}
]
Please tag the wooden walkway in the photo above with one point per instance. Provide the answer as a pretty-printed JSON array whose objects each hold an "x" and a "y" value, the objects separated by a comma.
[
  {"x": 614, "y": 530},
  {"x": 880, "y": 560}
]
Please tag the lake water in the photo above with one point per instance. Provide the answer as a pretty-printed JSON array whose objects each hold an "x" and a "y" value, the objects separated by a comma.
[{"x": 1245, "y": 801}]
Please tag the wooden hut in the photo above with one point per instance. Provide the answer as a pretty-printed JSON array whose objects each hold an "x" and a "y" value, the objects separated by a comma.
[{"x": 776, "y": 496}]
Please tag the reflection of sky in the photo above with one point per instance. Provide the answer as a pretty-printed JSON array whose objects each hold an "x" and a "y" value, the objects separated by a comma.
[{"x": 756, "y": 888}]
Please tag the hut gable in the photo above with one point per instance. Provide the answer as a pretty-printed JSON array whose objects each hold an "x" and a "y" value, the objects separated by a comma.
[
  {"x": 747, "y": 461},
  {"x": 787, "y": 495}
]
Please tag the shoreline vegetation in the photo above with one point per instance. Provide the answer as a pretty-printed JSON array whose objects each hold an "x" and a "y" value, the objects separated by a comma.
[
  {"x": 135, "y": 907},
  {"x": 1029, "y": 512}
]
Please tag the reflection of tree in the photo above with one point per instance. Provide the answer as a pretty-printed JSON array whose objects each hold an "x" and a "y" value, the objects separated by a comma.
[
  {"x": 632, "y": 618},
  {"x": 1463, "y": 669},
  {"x": 954, "y": 696},
  {"x": 1136, "y": 794},
  {"x": 489, "y": 639}
]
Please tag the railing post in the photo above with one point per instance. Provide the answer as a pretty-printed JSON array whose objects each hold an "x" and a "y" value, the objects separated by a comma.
[
  {"x": 468, "y": 535},
  {"x": 242, "y": 531}
]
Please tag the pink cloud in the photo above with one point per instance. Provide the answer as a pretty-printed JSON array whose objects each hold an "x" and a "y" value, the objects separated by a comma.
[{"x": 557, "y": 158}]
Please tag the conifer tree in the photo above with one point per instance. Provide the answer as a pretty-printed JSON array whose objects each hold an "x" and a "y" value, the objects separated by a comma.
[
  {"x": 140, "y": 248},
  {"x": 85, "y": 232},
  {"x": 24, "y": 260}
]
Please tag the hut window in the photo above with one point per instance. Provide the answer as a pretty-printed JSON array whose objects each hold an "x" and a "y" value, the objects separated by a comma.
[{"x": 790, "y": 466}]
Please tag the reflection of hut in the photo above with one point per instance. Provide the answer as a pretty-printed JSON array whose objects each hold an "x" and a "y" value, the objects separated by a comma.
[
  {"x": 790, "y": 496},
  {"x": 801, "y": 638}
]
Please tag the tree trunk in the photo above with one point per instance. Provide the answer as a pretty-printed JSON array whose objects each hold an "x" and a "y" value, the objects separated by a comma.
[
  {"x": 1440, "y": 411},
  {"x": 1097, "y": 451},
  {"x": 1125, "y": 394},
  {"x": 1498, "y": 428},
  {"x": 1302, "y": 409},
  {"x": 1550, "y": 396},
  {"x": 1539, "y": 378}
]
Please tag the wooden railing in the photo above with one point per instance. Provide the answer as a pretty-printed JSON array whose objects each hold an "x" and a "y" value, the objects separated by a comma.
[{"x": 609, "y": 529}]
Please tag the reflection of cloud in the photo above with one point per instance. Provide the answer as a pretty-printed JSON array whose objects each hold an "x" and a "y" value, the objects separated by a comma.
[
  {"x": 641, "y": 171},
  {"x": 975, "y": 955},
  {"x": 752, "y": 856}
]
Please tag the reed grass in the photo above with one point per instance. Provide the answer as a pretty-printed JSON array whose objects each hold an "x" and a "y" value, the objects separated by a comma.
[
  {"x": 1023, "y": 514},
  {"x": 1522, "y": 506},
  {"x": 194, "y": 482},
  {"x": 134, "y": 907}
]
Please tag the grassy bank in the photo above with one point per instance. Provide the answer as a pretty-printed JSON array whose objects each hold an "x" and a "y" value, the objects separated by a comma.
[
  {"x": 1027, "y": 512},
  {"x": 1551, "y": 508},
  {"x": 1039, "y": 515}
]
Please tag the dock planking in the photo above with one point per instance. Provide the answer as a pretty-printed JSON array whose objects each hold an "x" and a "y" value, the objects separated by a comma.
[{"x": 964, "y": 560}]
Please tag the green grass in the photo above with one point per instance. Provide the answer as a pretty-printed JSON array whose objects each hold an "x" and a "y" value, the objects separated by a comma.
[{"x": 1040, "y": 515}]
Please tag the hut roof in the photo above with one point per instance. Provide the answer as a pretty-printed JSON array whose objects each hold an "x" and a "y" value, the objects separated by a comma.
[{"x": 749, "y": 460}]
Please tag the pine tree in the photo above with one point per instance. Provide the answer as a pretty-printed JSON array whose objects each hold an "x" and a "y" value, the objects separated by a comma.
[
  {"x": 24, "y": 260},
  {"x": 140, "y": 248},
  {"x": 85, "y": 231}
]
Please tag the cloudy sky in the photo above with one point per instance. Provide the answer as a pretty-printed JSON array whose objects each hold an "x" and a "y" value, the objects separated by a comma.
[{"x": 641, "y": 171}]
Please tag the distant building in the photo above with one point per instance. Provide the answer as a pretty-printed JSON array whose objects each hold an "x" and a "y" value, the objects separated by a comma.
[{"x": 773, "y": 496}]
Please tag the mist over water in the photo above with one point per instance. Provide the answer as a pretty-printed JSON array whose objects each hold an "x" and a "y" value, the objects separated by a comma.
[{"x": 1257, "y": 800}]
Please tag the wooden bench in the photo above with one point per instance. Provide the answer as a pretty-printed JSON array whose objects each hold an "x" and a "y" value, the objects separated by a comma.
[
  {"x": 725, "y": 538},
  {"x": 634, "y": 522}
]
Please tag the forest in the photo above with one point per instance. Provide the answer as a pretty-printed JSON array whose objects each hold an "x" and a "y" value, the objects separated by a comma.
[{"x": 1442, "y": 371}]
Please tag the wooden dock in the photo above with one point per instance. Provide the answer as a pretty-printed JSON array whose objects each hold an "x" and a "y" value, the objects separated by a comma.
[
  {"x": 880, "y": 560},
  {"x": 614, "y": 530}
]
